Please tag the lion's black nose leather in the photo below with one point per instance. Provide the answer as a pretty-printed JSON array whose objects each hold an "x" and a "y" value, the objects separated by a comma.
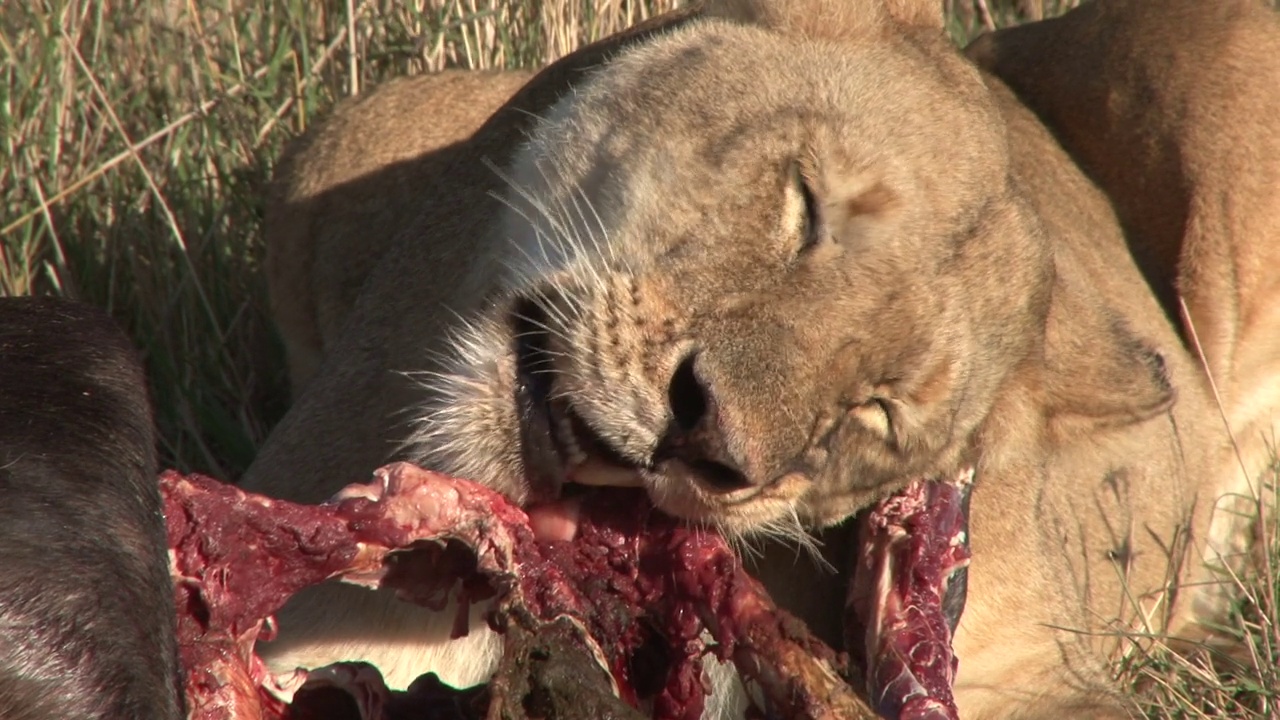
[{"x": 694, "y": 436}]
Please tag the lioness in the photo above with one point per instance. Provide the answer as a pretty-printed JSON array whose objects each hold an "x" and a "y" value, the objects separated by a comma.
[{"x": 773, "y": 259}]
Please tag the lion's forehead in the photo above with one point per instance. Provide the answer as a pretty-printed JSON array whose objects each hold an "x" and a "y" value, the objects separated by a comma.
[
  {"x": 714, "y": 78},
  {"x": 706, "y": 120},
  {"x": 722, "y": 104}
]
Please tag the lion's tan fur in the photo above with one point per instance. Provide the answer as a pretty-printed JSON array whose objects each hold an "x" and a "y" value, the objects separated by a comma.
[
  {"x": 1173, "y": 114},
  {"x": 996, "y": 281},
  {"x": 359, "y": 177}
]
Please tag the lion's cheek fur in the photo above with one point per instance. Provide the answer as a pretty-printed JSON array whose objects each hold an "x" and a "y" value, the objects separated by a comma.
[
  {"x": 469, "y": 425},
  {"x": 877, "y": 410}
]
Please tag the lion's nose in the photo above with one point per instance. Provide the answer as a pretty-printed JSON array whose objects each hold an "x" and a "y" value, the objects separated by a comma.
[{"x": 695, "y": 436}]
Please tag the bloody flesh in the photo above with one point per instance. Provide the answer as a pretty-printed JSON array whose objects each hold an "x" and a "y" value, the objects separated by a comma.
[
  {"x": 907, "y": 595},
  {"x": 630, "y": 578}
]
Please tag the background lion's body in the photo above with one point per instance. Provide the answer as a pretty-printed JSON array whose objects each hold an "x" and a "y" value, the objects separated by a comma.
[
  {"x": 1092, "y": 484},
  {"x": 1174, "y": 115},
  {"x": 344, "y": 194}
]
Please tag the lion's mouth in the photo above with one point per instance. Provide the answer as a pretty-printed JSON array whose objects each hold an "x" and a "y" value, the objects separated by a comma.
[
  {"x": 557, "y": 445},
  {"x": 560, "y": 449}
]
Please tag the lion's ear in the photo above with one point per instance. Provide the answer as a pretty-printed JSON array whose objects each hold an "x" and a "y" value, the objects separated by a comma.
[
  {"x": 1099, "y": 373},
  {"x": 827, "y": 19}
]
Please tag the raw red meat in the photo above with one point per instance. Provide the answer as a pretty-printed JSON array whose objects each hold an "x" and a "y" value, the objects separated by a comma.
[
  {"x": 907, "y": 595},
  {"x": 629, "y": 574},
  {"x": 580, "y": 617}
]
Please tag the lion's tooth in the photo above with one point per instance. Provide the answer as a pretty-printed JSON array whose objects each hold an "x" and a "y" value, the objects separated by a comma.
[
  {"x": 594, "y": 472},
  {"x": 573, "y": 451}
]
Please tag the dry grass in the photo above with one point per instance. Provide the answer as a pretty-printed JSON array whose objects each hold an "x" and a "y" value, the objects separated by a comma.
[
  {"x": 1236, "y": 679},
  {"x": 139, "y": 136}
]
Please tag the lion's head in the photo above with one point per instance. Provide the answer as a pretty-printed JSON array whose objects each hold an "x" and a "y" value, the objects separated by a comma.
[{"x": 765, "y": 296}]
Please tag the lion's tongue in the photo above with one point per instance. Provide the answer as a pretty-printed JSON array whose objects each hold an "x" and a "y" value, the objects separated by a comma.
[
  {"x": 557, "y": 520},
  {"x": 907, "y": 595}
]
